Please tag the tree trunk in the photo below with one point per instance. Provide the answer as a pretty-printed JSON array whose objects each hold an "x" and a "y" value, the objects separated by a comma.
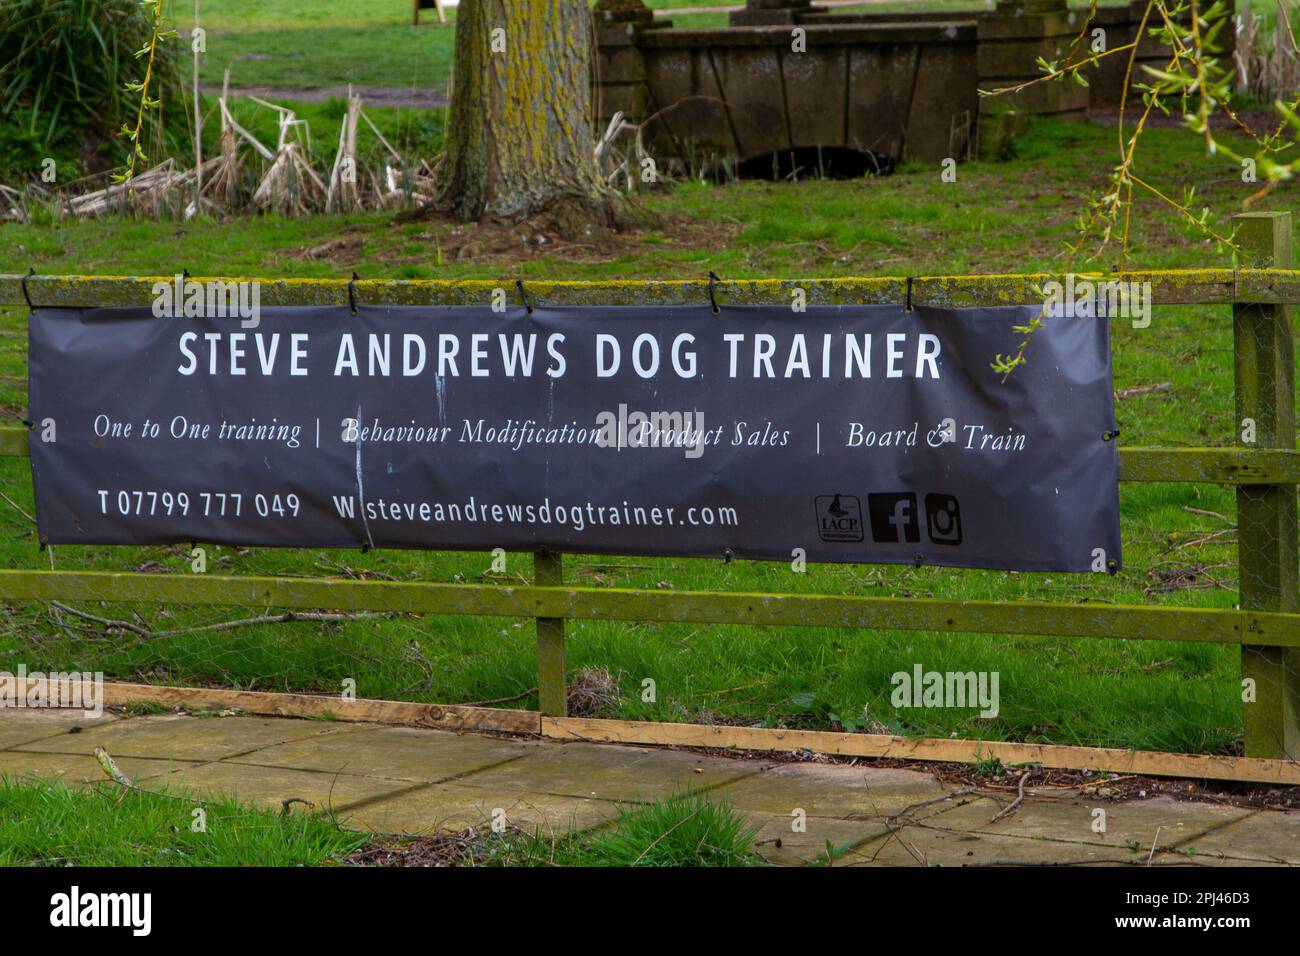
[{"x": 519, "y": 140}]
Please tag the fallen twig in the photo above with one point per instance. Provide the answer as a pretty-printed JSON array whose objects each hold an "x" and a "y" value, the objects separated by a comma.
[
  {"x": 1213, "y": 514},
  {"x": 1154, "y": 839},
  {"x": 14, "y": 505},
  {"x": 1014, "y": 804},
  {"x": 287, "y": 802},
  {"x": 925, "y": 803},
  {"x": 288, "y": 616},
  {"x": 107, "y": 622},
  {"x": 1143, "y": 390},
  {"x": 500, "y": 700}
]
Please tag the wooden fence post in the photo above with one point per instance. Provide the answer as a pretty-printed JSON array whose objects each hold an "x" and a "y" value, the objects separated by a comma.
[
  {"x": 548, "y": 571},
  {"x": 1266, "y": 514}
]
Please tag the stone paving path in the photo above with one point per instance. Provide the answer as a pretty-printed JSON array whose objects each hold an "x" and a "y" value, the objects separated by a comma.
[{"x": 406, "y": 780}]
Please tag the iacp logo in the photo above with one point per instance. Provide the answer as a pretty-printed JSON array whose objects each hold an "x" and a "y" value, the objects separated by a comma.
[{"x": 839, "y": 518}]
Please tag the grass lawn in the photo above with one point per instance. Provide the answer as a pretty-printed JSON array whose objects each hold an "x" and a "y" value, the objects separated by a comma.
[
  {"x": 683, "y": 830},
  {"x": 320, "y": 43},
  {"x": 46, "y": 823},
  {"x": 996, "y": 218}
]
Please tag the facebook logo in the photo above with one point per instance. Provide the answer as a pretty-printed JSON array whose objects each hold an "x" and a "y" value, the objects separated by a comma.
[{"x": 894, "y": 518}]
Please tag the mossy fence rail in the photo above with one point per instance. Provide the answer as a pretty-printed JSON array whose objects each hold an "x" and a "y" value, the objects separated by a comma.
[{"x": 1266, "y": 624}]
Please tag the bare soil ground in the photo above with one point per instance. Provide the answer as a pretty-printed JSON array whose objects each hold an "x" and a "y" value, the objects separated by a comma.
[{"x": 425, "y": 99}]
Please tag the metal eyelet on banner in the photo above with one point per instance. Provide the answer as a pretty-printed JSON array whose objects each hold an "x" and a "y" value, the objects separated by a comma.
[
  {"x": 523, "y": 294},
  {"x": 907, "y": 306},
  {"x": 1110, "y": 436},
  {"x": 31, "y": 271},
  {"x": 713, "y": 280},
  {"x": 727, "y": 555},
  {"x": 352, "y": 292}
]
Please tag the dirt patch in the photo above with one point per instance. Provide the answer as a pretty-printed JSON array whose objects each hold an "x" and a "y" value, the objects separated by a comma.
[
  {"x": 411, "y": 98},
  {"x": 1260, "y": 121},
  {"x": 342, "y": 249},
  {"x": 467, "y": 848},
  {"x": 504, "y": 244}
]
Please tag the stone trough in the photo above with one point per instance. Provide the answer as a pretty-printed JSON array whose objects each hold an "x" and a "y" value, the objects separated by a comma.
[{"x": 788, "y": 79}]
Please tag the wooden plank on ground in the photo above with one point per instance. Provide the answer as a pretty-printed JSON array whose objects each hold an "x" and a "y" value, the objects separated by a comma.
[
  {"x": 437, "y": 716},
  {"x": 1150, "y": 763},
  {"x": 456, "y": 717}
]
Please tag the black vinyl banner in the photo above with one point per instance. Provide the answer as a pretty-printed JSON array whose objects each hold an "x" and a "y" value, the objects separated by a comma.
[{"x": 854, "y": 433}]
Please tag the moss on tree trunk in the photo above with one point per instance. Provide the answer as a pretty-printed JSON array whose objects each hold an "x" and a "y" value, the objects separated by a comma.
[{"x": 519, "y": 140}]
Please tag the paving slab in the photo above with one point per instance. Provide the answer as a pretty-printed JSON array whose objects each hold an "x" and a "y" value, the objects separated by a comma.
[
  {"x": 926, "y": 846},
  {"x": 78, "y": 770},
  {"x": 1266, "y": 836},
  {"x": 611, "y": 773},
  {"x": 1162, "y": 822},
  {"x": 825, "y": 790},
  {"x": 271, "y": 786},
  {"x": 456, "y": 807},
  {"x": 20, "y": 725},
  {"x": 407, "y": 780},
  {"x": 187, "y": 738},
  {"x": 779, "y": 844},
  {"x": 397, "y": 753}
]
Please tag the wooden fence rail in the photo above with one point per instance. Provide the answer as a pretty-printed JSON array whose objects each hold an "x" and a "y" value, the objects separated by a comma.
[{"x": 1265, "y": 473}]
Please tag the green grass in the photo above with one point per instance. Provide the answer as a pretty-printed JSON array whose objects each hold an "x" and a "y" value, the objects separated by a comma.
[
  {"x": 995, "y": 218},
  {"x": 44, "y": 823},
  {"x": 683, "y": 830},
  {"x": 47, "y": 823},
  {"x": 321, "y": 43}
]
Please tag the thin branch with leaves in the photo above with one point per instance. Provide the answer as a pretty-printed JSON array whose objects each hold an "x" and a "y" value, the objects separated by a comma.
[
  {"x": 1195, "y": 84},
  {"x": 154, "y": 10}
]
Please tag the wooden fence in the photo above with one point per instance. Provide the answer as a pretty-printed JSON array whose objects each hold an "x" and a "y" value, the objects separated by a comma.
[{"x": 1266, "y": 624}]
